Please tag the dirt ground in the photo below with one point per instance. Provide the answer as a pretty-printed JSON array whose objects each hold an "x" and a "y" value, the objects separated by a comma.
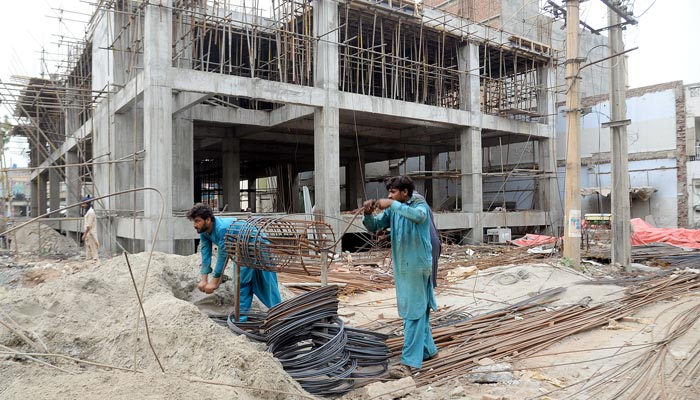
[{"x": 88, "y": 312}]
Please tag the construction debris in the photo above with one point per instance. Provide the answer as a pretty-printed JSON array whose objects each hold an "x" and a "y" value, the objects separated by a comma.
[
  {"x": 494, "y": 373},
  {"x": 530, "y": 326}
]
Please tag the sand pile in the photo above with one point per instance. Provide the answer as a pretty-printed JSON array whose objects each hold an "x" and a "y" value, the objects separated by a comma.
[
  {"x": 92, "y": 314},
  {"x": 38, "y": 238}
]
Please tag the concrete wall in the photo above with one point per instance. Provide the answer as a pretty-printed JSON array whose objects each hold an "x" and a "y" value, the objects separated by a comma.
[
  {"x": 692, "y": 111},
  {"x": 653, "y": 152},
  {"x": 102, "y": 71},
  {"x": 653, "y": 125},
  {"x": 692, "y": 121},
  {"x": 694, "y": 194},
  {"x": 659, "y": 173}
]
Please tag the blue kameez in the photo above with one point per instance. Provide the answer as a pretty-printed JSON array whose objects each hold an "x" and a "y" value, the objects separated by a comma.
[
  {"x": 411, "y": 251},
  {"x": 253, "y": 281}
]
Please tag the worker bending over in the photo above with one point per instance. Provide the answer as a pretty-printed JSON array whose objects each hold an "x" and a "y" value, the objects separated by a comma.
[
  {"x": 411, "y": 251},
  {"x": 212, "y": 230}
]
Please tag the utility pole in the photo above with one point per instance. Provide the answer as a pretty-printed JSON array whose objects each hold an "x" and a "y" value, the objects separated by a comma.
[
  {"x": 620, "y": 200},
  {"x": 572, "y": 215}
]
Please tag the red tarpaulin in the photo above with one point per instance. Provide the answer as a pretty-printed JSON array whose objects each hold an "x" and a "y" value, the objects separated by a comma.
[
  {"x": 644, "y": 233},
  {"x": 532, "y": 240}
]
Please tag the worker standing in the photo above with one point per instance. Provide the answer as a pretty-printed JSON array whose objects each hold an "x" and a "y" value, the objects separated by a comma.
[
  {"x": 92, "y": 245},
  {"x": 411, "y": 252},
  {"x": 212, "y": 230}
]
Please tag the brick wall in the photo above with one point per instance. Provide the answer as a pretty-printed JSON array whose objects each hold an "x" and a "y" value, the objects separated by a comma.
[{"x": 474, "y": 10}]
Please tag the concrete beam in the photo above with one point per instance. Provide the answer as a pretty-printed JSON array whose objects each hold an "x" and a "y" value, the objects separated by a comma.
[
  {"x": 507, "y": 125},
  {"x": 461, "y": 220},
  {"x": 71, "y": 141},
  {"x": 289, "y": 113},
  {"x": 229, "y": 115},
  {"x": 286, "y": 93},
  {"x": 183, "y": 101},
  {"x": 252, "y": 88},
  {"x": 130, "y": 95}
]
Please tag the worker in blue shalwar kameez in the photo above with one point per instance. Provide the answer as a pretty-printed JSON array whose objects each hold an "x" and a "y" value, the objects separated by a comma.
[
  {"x": 411, "y": 251},
  {"x": 212, "y": 230}
]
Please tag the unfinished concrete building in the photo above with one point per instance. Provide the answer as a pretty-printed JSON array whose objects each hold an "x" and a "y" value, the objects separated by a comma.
[{"x": 192, "y": 97}]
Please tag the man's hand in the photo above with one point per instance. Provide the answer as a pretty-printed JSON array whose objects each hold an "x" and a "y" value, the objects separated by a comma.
[
  {"x": 211, "y": 286},
  {"x": 383, "y": 203},
  {"x": 203, "y": 283},
  {"x": 369, "y": 206}
]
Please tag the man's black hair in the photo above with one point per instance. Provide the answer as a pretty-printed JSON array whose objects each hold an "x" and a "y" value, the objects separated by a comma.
[
  {"x": 400, "y": 183},
  {"x": 200, "y": 210}
]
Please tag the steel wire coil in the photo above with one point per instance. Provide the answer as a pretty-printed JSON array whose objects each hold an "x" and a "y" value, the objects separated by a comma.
[
  {"x": 250, "y": 328},
  {"x": 313, "y": 344}
]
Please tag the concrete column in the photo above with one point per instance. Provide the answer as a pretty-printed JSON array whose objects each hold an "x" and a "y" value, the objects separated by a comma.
[
  {"x": 326, "y": 118},
  {"x": 327, "y": 161},
  {"x": 54, "y": 191},
  {"x": 354, "y": 184},
  {"x": 548, "y": 192},
  {"x": 197, "y": 189},
  {"x": 158, "y": 133},
  {"x": 470, "y": 139},
  {"x": 34, "y": 187},
  {"x": 287, "y": 187},
  {"x": 297, "y": 205},
  {"x": 232, "y": 174},
  {"x": 432, "y": 186},
  {"x": 34, "y": 194},
  {"x": 252, "y": 197},
  {"x": 325, "y": 20},
  {"x": 183, "y": 164},
  {"x": 183, "y": 175},
  {"x": 72, "y": 182},
  {"x": 128, "y": 139},
  {"x": 42, "y": 199}
]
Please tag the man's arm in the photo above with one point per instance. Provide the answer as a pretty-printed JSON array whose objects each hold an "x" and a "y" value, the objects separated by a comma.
[
  {"x": 221, "y": 256},
  {"x": 89, "y": 222},
  {"x": 87, "y": 230},
  {"x": 375, "y": 223},
  {"x": 416, "y": 215},
  {"x": 206, "y": 255}
]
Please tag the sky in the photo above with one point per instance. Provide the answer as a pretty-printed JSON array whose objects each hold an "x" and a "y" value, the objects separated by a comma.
[{"x": 664, "y": 35}]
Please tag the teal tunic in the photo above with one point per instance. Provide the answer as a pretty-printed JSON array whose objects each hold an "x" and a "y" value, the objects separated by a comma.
[
  {"x": 411, "y": 251},
  {"x": 253, "y": 281}
]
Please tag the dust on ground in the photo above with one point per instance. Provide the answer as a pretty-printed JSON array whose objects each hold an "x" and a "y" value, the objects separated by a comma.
[
  {"x": 91, "y": 315},
  {"x": 89, "y": 312}
]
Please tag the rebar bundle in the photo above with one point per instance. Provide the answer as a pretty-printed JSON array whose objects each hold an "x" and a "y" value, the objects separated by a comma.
[
  {"x": 528, "y": 327},
  {"x": 280, "y": 243},
  {"x": 313, "y": 344}
]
